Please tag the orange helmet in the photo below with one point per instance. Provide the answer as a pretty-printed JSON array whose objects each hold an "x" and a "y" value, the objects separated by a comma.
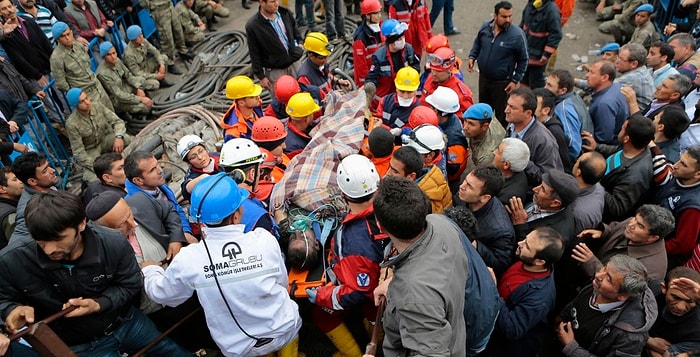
[
  {"x": 437, "y": 41},
  {"x": 370, "y": 6},
  {"x": 268, "y": 129},
  {"x": 269, "y": 160},
  {"x": 285, "y": 87},
  {"x": 443, "y": 59},
  {"x": 422, "y": 115}
]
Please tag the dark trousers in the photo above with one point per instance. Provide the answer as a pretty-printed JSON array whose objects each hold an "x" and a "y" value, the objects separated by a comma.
[
  {"x": 534, "y": 76},
  {"x": 494, "y": 94}
]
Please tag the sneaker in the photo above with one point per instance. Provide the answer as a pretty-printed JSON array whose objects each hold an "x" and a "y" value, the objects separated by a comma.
[{"x": 453, "y": 31}]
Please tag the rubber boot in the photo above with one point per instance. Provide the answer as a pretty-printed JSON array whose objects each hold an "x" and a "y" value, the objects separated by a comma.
[
  {"x": 342, "y": 340},
  {"x": 245, "y": 4},
  {"x": 290, "y": 350}
]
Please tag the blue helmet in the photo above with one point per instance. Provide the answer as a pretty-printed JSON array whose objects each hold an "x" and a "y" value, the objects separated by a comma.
[
  {"x": 215, "y": 198},
  {"x": 392, "y": 27}
]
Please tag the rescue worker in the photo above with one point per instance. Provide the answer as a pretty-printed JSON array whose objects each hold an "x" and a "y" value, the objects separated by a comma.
[
  {"x": 266, "y": 182},
  {"x": 142, "y": 58},
  {"x": 260, "y": 328},
  {"x": 435, "y": 42},
  {"x": 301, "y": 109},
  {"x": 357, "y": 248},
  {"x": 416, "y": 16},
  {"x": 314, "y": 75},
  {"x": 395, "y": 108},
  {"x": 441, "y": 64},
  {"x": 285, "y": 87},
  {"x": 270, "y": 134},
  {"x": 93, "y": 130},
  {"x": 202, "y": 162},
  {"x": 192, "y": 26},
  {"x": 126, "y": 90},
  {"x": 366, "y": 40},
  {"x": 241, "y": 159},
  {"x": 172, "y": 40},
  {"x": 245, "y": 110},
  {"x": 388, "y": 60},
  {"x": 446, "y": 103},
  {"x": 428, "y": 140},
  {"x": 70, "y": 65}
]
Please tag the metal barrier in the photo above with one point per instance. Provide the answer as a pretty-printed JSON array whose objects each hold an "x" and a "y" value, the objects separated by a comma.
[{"x": 39, "y": 135}]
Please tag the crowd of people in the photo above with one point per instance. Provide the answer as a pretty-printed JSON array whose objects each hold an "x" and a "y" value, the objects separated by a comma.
[{"x": 555, "y": 216}]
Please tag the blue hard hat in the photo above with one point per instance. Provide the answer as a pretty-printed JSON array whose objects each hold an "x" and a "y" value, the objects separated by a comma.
[
  {"x": 646, "y": 7},
  {"x": 73, "y": 97},
  {"x": 479, "y": 111},
  {"x": 216, "y": 197},
  {"x": 133, "y": 32},
  {"x": 392, "y": 27},
  {"x": 58, "y": 29},
  {"x": 610, "y": 47},
  {"x": 105, "y": 47}
]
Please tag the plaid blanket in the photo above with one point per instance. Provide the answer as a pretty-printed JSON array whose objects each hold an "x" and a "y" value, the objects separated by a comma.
[{"x": 310, "y": 179}]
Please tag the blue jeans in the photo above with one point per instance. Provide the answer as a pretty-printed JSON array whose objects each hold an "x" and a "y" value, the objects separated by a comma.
[
  {"x": 135, "y": 332},
  {"x": 449, "y": 6},
  {"x": 335, "y": 23},
  {"x": 307, "y": 5}
]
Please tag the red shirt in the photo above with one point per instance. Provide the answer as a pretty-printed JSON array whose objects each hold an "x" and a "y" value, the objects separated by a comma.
[{"x": 514, "y": 277}]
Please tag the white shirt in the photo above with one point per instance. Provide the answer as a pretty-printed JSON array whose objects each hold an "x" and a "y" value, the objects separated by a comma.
[{"x": 253, "y": 278}]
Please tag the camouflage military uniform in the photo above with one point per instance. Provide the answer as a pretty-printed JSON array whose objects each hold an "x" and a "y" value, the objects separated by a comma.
[
  {"x": 190, "y": 23},
  {"x": 172, "y": 40},
  {"x": 622, "y": 26},
  {"x": 204, "y": 8},
  {"x": 645, "y": 35},
  {"x": 143, "y": 60},
  {"x": 71, "y": 69},
  {"x": 93, "y": 135},
  {"x": 121, "y": 85}
]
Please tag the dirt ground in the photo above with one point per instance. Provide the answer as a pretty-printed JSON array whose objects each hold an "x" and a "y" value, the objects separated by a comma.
[{"x": 580, "y": 33}]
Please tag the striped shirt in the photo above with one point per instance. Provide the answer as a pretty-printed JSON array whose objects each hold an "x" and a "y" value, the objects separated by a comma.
[{"x": 44, "y": 18}]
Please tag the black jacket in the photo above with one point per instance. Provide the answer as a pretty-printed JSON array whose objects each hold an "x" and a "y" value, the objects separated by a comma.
[
  {"x": 106, "y": 271},
  {"x": 7, "y": 207},
  {"x": 557, "y": 130},
  {"x": 265, "y": 48},
  {"x": 30, "y": 56},
  {"x": 14, "y": 83}
]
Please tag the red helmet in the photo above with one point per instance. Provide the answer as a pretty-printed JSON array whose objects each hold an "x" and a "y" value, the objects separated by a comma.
[
  {"x": 285, "y": 87},
  {"x": 443, "y": 59},
  {"x": 370, "y": 6},
  {"x": 437, "y": 41},
  {"x": 267, "y": 129},
  {"x": 422, "y": 115}
]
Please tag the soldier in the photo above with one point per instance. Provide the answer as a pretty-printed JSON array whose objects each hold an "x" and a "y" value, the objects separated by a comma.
[
  {"x": 172, "y": 40},
  {"x": 70, "y": 65},
  {"x": 192, "y": 26},
  {"x": 143, "y": 59},
  {"x": 208, "y": 9},
  {"x": 93, "y": 130},
  {"x": 125, "y": 89}
]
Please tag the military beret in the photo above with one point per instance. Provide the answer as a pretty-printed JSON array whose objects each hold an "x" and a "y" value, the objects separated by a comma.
[
  {"x": 73, "y": 97},
  {"x": 58, "y": 29},
  {"x": 646, "y": 7},
  {"x": 479, "y": 111},
  {"x": 133, "y": 32},
  {"x": 610, "y": 47},
  {"x": 105, "y": 47}
]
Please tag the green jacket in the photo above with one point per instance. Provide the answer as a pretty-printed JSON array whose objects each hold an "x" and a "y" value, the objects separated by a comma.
[
  {"x": 119, "y": 83},
  {"x": 71, "y": 67},
  {"x": 137, "y": 59},
  {"x": 87, "y": 132}
]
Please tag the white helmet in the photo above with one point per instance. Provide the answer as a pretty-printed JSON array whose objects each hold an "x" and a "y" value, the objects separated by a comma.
[
  {"x": 239, "y": 152},
  {"x": 357, "y": 177},
  {"x": 187, "y": 143},
  {"x": 426, "y": 138},
  {"x": 444, "y": 99}
]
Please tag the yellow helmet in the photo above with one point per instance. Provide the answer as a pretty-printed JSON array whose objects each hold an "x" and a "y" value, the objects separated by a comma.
[
  {"x": 317, "y": 43},
  {"x": 302, "y": 105},
  {"x": 242, "y": 87},
  {"x": 407, "y": 79}
]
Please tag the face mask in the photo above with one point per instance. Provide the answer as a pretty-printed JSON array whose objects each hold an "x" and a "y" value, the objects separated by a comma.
[
  {"x": 400, "y": 44},
  {"x": 322, "y": 68},
  {"x": 374, "y": 27},
  {"x": 405, "y": 102}
]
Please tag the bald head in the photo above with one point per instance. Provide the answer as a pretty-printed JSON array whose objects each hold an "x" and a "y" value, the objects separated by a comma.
[{"x": 589, "y": 169}]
